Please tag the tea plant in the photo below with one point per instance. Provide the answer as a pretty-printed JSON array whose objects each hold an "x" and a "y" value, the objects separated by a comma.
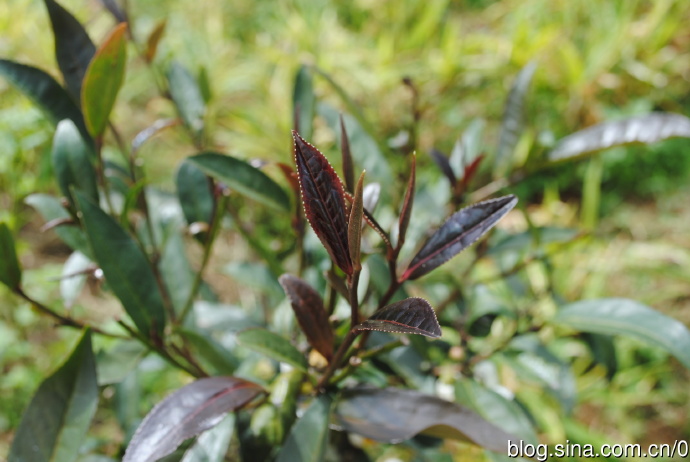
[{"x": 295, "y": 380}]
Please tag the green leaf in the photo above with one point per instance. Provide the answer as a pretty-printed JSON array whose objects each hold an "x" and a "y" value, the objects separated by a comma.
[
  {"x": 304, "y": 102},
  {"x": 243, "y": 178},
  {"x": 194, "y": 193},
  {"x": 215, "y": 357},
  {"x": 10, "y": 271},
  {"x": 72, "y": 162},
  {"x": 187, "y": 96},
  {"x": 52, "y": 210},
  {"x": 274, "y": 346},
  {"x": 73, "y": 47},
  {"x": 619, "y": 316},
  {"x": 176, "y": 271},
  {"x": 118, "y": 361},
  {"x": 125, "y": 267},
  {"x": 103, "y": 80},
  {"x": 212, "y": 445},
  {"x": 309, "y": 435},
  {"x": 54, "y": 425},
  {"x": 45, "y": 92}
]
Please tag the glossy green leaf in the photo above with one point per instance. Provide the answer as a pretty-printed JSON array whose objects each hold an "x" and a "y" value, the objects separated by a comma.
[
  {"x": 54, "y": 425},
  {"x": 10, "y": 271},
  {"x": 72, "y": 162},
  {"x": 117, "y": 361},
  {"x": 52, "y": 211},
  {"x": 103, "y": 80},
  {"x": 620, "y": 316},
  {"x": 304, "y": 102},
  {"x": 354, "y": 226},
  {"x": 73, "y": 47},
  {"x": 644, "y": 129},
  {"x": 187, "y": 96},
  {"x": 273, "y": 346},
  {"x": 212, "y": 445},
  {"x": 45, "y": 92},
  {"x": 176, "y": 270},
  {"x": 194, "y": 193},
  {"x": 243, "y": 178},
  {"x": 187, "y": 412},
  {"x": 125, "y": 267},
  {"x": 409, "y": 316},
  {"x": 309, "y": 435},
  {"x": 393, "y": 415}
]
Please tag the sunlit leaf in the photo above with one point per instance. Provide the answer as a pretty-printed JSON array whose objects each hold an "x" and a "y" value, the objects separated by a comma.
[
  {"x": 323, "y": 200},
  {"x": 72, "y": 162},
  {"x": 274, "y": 346},
  {"x": 310, "y": 313},
  {"x": 103, "y": 80},
  {"x": 74, "y": 274},
  {"x": 54, "y": 425},
  {"x": 52, "y": 211},
  {"x": 354, "y": 226},
  {"x": 45, "y": 92},
  {"x": 127, "y": 270},
  {"x": 243, "y": 178},
  {"x": 393, "y": 415},
  {"x": 309, "y": 435},
  {"x": 73, "y": 47},
  {"x": 645, "y": 129},
  {"x": 154, "y": 39},
  {"x": 406, "y": 211},
  {"x": 10, "y": 271},
  {"x": 460, "y": 230},
  {"x": 188, "y": 412},
  {"x": 371, "y": 194},
  {"x": 348, "y": 166},
  {"x": 304, "y": 102},
  {"x": 409, "y": 316},
  {"x": 619, "y": 316}
]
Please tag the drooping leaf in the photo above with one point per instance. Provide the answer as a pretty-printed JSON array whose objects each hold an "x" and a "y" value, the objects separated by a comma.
[
  {"x": 309, "y": 435},
  {"x": 645, "y": 129},
  {"x": 10, "y": 271},
  {"x": 45, "y": 92},
  {"x": 443, "y": 163},
  {"x": 304, "y": 101},
  {"x": 54, "y": 425},
  {"x": 243, "y": 178},
  {"x": 73, "y": 47},
  {"x": 323, "y": 200},
  {"x": 409, "y": 316},
  {"x": 187, "y": 96},
  {"x": 125, "y": 267},
  {"x": 103, "y": 80},
  {"x": 52, "y": 211},
  {"x": 354, "y": 226},
  {"x": 619, "y": 316},
  {"x": 406, "y": 211},
  {"x": 194, "y": 191},
  {"x": 310, "y": 313},
  {"x": 187, "y": 412},
  {"x": 513, "y": 119},
  {"x": 393, "y": 415},
  {"x": 154, "y": 39},
  {"x": 72, "y": 162},
  {"x": 348, "y": 166},
  {"x": 274, "y": 346},
  {"x": 73, "y": 278},
  {"x": 458, "y": 232},
  {"x": 212, "y": 445}
]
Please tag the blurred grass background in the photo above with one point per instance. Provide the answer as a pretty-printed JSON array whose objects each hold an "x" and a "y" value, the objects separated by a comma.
[{"x": 597, "y": 59}]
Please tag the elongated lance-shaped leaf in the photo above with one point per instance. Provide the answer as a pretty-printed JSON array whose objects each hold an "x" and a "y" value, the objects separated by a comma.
[
  {"x": 187, "y": 96},
  {"x": 125, "y": 267},
  {"x": 323, "y": 201},
  {"x": 354, "y": 226},
  {"x": 348, "y": 166},
  {"x": 45, "y": 92},
  {"x": 103, "y": 80},
  {"x": 409, "y": 316},
  {"x": 155, "y": 38},
  {"x": 73, "y": 47},
  {"x": 308, "y": 437},
  {"x": 194, "y": 191},
  {"x": 371, "y": 221},
  {"x": 72, "y": 162},
  {"x": 393, "y": 415},
  {"x": 187, "y": 412},
  {"x": 10, "y": 271},
  {"x": 149, "y": 132},
  {"x": 115, "y": 10},
  {"x": 513, "y": 119},
  {"x": 645, "y": 129},
  {"x": 304, "y": 101},
  {"x": 458, "y": 232},
  {"x": 443, "y": 163},
  {"x": 273, "y": 345},
  {"x": 54, "y": 425},
  {"x": 406, "y": 211},
  {"x": 310, "y": 313}
]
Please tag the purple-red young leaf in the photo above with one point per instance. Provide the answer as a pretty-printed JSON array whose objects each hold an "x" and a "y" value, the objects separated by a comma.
[
  {"x": 409, "y": 316},
  {"x": 354, "y": 226},
  {"x": 371, "y": 221},
  {"x": 458, "y": 232},
  {"x": 406, "y": 211},
  {"x": 471, "y": 169},
  {"x": 323, "y": 200},
  {"x": 186, "y": 413},
  {"x": 310, "y": 313},
  {"x": 348, "y": 167},
  {"x": 443, "y": 163}
]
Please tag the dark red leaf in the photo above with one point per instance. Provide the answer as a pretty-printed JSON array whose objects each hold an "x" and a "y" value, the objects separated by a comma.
[
  {"x": 471, "y": 169},
  {"x": 186, "y": 413},
  {"x": 460, "y": 230},
  {"x": 290, "y": 174},
  {"x": 348, "y": 168},
  {"x": 310, "y": 313},
  {"x": 323, "y": 200},
  {"x": 442, "y": 161},
  {"x": 406, "y": 211},
  {"x": 393, "y": 415},
  {"x": 409, "y": 316}
]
